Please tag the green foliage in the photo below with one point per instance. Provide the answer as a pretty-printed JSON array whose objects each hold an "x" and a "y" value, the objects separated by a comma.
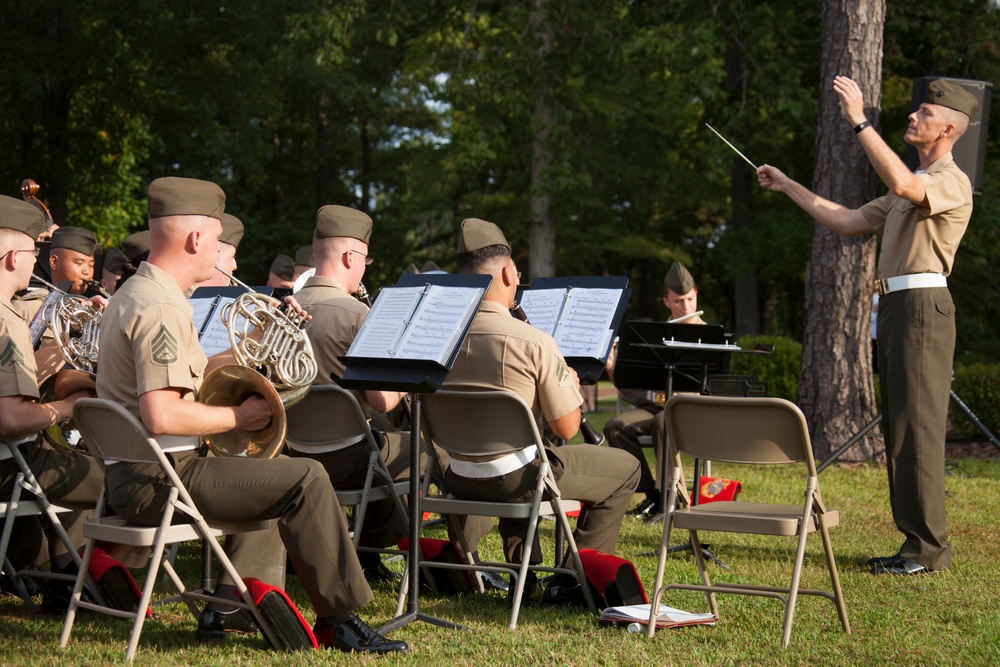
[
  {"x": 779, "y": 369},
  {"x": 978, "y": 386}
]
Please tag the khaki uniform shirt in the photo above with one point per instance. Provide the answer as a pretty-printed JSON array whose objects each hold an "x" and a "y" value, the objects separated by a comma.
[
  {"x": 28, "y": 308},
  {"x": 336, "y": 318},
  {"x": 17, "y": 363},
  {"x": 502, "y": 352},
  {"x": 148, "y": 341},
  {"x": 923, "y": 240}
]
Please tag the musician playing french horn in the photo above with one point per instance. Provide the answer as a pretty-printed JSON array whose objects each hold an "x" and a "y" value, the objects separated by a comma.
[
  {"x": 71, "y": 267},
  {"x": 152, "y": 364},
  {"x": 225, "y": 261},
  {"x": 340, "y": 253},
  {"x": 65, "y": 476}
]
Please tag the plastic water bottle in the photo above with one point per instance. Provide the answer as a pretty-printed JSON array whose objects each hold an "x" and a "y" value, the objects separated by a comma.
[{"x": 634, "y": 627}]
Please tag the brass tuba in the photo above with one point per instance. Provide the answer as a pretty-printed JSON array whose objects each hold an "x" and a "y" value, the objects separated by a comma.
[{"x": 279, "y": 365}]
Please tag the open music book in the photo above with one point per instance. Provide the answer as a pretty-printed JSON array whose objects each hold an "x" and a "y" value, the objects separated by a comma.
[
  {"x": 579, "y": 318},
  {"x": 668, "y": 617},
  {"x": 422, "y": 323}
]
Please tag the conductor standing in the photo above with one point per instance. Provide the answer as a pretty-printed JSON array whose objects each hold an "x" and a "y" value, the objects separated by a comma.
[{"x": 921, "y": 221}]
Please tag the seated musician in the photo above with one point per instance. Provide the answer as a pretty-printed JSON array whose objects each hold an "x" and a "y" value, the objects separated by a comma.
[
  {"x": 281, "y": 273},
  {"x": 71, "y": 267},
  {"x": 340, "y": 253},
  {"x": 680, "y": 295},
  {"x": 229, "y": 243},
  {"x": 504, "y": 353},
  {"x": 65, "y": 476},
  {"x": 152, "y": 364}
]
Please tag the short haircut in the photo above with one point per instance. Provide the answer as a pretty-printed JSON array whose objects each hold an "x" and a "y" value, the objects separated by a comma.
[{"x": 477, "y": 260}]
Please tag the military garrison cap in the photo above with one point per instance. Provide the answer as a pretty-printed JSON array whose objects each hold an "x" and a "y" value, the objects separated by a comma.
[
  {"x": 232, "y": 230},
  {"x": 283, "y": 267},
  {"x": 343, "y": 221},
  {"x": 114, "y": 261},
  {"x": 304, "y": 256},
  {"x": 135, "y": 245},
  {"x": 953, "y": 96},
  {"x": 22, "y": 216},
  {"x": 173, "y": 195},
  {"x": 75, "y": 238},
  {"x": 678, "y": 280},
  {"x": 477, "y": 234}
]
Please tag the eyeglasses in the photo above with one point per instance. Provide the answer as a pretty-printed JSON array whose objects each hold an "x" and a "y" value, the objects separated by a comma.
[
  {"x": 368, "y": 260},
  {"x": 33, "y": 251}
]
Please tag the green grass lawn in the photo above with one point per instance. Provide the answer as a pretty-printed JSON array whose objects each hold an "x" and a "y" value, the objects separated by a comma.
[{"x": 950, "y": 618}]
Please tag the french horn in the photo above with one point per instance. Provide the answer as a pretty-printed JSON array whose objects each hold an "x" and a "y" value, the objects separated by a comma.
[
  {"x": 274, "y": 360},
  {"x": 76, "y": 326}
]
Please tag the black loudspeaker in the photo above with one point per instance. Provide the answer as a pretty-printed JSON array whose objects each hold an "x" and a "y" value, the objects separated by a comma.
[{"x": 970, "y": 151}]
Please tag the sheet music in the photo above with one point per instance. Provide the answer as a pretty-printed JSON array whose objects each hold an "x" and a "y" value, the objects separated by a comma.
[
  {"x": 386, "y": 322},
  {"x": 419, "y": 323},
  {"x": 579, "y": 318},
  {"x": 438, "y": 322},
  {"x": 584, "y": 329},
  {"x": 201, "y": 308},
  {"x": 215, "y": 337},
  {"x": 542, "y": 306}
]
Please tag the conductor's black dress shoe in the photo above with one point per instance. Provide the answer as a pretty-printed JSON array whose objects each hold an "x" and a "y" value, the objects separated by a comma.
[{"x": 901, "y": 566}]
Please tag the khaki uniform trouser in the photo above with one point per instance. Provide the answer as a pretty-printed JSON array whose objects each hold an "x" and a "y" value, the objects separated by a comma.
[
  {"x": 623, "y": 431},
  {"x": 65, "y": 477},
  {"x": 296, "y": 492},
  {"x": 916, "y": 346},
  {"x": 347, "y": 469},
  {"x": 601, "y": 478}
]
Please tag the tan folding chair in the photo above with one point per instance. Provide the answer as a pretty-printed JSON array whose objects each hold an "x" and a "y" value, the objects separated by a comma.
[
  {"x": 750, "y": 431},
  {"x": 35, "y": 504},
  {"x": 330, "y": 413},
  {"x": 488, "y": 423},
  {"x": 113, "y": 434}
]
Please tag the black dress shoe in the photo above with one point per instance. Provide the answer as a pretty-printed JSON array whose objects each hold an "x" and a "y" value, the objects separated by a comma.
[
  {"x": 355, "y": 635},
  {"x": 645, "y": 509},
  {"x": 899, "y": 565},
  {"x": 377, "y": 573},
  {"x": 213, "y": 625},
  {"x": 528, "y": 596},
  {"x": 559, "y": 594},
  {"x": 31, "y": 585},
  {"x": 881, "y": 560}
]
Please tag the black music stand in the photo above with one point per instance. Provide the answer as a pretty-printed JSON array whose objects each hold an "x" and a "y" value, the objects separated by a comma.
[
  {"x": 418, "y": 377},
  {"x": 672, "y": 357},
  {"x": 588, "y": 368}
]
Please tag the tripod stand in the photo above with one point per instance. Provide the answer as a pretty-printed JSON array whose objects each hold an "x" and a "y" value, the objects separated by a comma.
[{"x": 956, "y": 399}]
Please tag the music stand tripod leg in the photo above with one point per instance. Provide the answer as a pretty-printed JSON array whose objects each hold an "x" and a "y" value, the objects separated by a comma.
[
  {"x": 413, "y": 558},
  {"x": 974, "y": 419}
]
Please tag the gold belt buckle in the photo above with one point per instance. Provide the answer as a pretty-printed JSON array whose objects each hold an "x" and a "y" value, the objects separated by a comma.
[{"x": 882, "y": 286}]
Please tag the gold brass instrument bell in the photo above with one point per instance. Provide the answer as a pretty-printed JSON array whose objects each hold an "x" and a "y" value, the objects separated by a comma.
[{"x": 278, "y": 364}]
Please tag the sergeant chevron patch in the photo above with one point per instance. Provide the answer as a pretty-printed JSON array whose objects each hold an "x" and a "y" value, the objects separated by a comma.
[
  {"x": 11, "y": 356},
  {"x": 164, "y": 347}
]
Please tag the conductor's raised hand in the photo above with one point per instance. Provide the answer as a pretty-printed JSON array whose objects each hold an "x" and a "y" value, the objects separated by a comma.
[
  {"x": 852, "y": 101},
  {"x": 772, "y": 178}
]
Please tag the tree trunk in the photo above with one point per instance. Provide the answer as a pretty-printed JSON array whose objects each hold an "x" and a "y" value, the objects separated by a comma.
[
  {"x": 746, "y": 302},
  {"x": 835, "y": 387},
  {"x": 542, "y": 229}
]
